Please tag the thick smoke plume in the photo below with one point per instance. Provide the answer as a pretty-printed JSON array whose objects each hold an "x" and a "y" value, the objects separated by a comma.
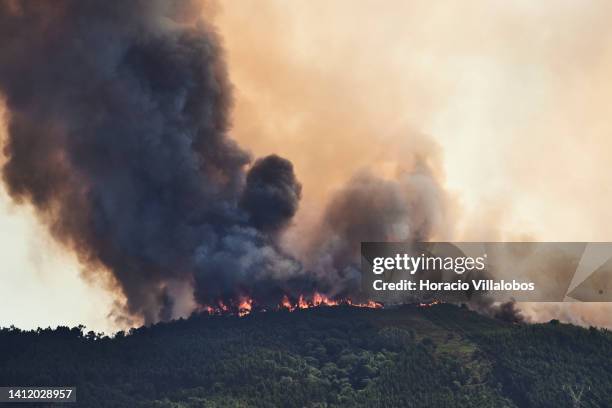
[
  {"x": 408, "y": 208},
  {"x": 271, "y": 194},
  {"x": 118, "y": 122},
  {"x": 117, "y": 134}
]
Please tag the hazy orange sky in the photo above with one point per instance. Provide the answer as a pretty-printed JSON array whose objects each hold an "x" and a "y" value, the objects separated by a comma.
[{"x": 509, "y": 101}]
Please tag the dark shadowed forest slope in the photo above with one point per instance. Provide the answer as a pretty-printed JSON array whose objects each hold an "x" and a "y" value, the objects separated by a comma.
[{"x": 442, "y": 356}]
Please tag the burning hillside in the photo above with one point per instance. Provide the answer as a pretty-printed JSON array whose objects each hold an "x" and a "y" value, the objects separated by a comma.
[{"x": 119, "y": 136}]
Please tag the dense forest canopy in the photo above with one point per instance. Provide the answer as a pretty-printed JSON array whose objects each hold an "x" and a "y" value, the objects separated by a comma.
[{"x": 439, "y": 356}]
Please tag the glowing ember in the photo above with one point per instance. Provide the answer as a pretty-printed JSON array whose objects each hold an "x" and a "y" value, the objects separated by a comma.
[
  {"x": 223, "y": 307},
  {"x": 208, "y": 309},
  {"x": 429, "y": 304}
]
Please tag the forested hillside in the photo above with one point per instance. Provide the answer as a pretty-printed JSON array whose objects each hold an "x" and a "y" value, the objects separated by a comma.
[{"x": 441, "y": 356}]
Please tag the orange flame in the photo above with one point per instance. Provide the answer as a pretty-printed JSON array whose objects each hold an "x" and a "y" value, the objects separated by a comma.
[
  {"x": 369, "y": 304},
  {"x": 245, "y": 306},
  {"x": 302, "y": 304},
  {"x": 286, "y": 304}
]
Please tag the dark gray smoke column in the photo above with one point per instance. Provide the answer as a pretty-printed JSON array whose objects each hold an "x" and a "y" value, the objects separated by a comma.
[
  {"x": 117, "y": 134},
  {"x": 272, "y": 193}
]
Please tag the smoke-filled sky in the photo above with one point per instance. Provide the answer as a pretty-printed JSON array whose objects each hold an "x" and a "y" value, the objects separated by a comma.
[{"x": 503, "y": 106}]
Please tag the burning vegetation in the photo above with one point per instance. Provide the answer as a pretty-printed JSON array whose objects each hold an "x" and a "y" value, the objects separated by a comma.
[{"x": 245, "y": 305}]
